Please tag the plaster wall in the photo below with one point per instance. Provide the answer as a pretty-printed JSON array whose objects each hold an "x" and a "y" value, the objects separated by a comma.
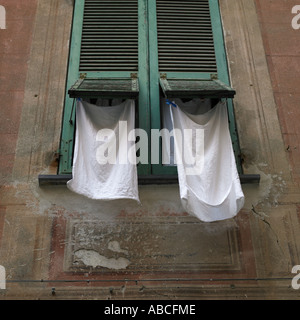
[{"x": 53, "y": 234}]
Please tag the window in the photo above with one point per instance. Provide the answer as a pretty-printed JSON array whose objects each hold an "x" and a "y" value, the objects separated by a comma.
[{"x": 156, "y": 48}]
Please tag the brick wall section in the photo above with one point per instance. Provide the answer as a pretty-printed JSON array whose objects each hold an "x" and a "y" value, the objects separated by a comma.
[
  {"x": 15, "y": 44},
  {"x": 282, "y": 48}
]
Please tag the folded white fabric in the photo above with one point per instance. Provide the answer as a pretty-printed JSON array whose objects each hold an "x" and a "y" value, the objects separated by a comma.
[
  {"x": 101, "y": 169},
  {"x": 210, "y": 187}
]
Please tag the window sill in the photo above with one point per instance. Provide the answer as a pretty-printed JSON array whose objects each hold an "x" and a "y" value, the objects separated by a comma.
[{"x": 61, "y": 179}]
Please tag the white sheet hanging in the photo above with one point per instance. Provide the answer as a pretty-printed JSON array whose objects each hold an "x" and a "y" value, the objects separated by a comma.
[
  {"x": 214, "y": 192},
  {"x": 194, "y": 106},
  {"x": 95, "y": 175}
]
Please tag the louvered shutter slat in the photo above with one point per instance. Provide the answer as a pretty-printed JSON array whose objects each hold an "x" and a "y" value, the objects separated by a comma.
[
  {"x": 185, "y": 38},
  {"x": 109, "y": 36}
]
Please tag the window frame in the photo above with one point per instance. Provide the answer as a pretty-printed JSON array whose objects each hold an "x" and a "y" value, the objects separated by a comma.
[{"x": 149, "y": 96}]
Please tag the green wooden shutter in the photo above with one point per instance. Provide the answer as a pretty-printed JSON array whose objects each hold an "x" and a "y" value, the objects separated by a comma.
[
  {"x": 185, "y": 37},
  {"x": 178, "y": 40},
  {"x": 113, "y": 39},
  {"x": 187, "y": 50},
  {"x": 109, "y": 47},
  {"x": 105, "y": 47},
  {"x": 109, "y": 36}
]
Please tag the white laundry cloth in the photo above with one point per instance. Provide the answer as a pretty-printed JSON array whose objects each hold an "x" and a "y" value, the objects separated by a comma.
[
  {"x": 101, "y": 169},
  {"x": 193, "y": 106},
  {"x": 213, "y": 192}
]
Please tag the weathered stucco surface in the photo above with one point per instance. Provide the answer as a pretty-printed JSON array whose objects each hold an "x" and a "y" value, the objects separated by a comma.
[{"x": 121, "y": 249}]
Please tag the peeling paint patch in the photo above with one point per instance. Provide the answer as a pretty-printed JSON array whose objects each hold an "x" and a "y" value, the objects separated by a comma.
[
  {"x": 115, "y": 247},
  {"x": 94, "y": 259},
  {"x": 267, "y": 192}
]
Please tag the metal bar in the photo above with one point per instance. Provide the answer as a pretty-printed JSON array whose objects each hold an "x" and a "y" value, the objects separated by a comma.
[{"x": 45, "y": 180}]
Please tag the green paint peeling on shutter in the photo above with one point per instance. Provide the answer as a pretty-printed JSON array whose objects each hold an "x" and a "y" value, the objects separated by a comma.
[{"x": 195, "y": 88}]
